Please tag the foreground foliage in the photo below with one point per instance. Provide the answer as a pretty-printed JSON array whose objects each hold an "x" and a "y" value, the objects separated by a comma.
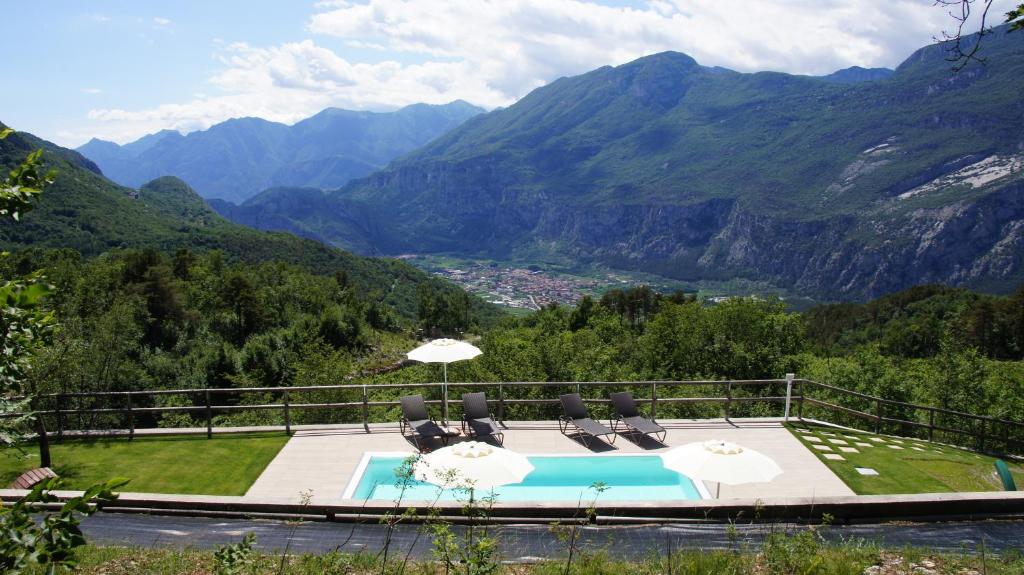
[
  {"x": 27, "y": 539},
  {"x": 780, "y": 555}
]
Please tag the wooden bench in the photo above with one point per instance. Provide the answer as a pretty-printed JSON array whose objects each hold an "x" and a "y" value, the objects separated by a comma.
[{"x": 33, "y": 477}]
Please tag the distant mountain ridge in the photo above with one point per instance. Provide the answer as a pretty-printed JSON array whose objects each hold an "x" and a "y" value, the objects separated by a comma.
[
  {"x": 236, "y": 159},
  {"x": 839, "y": 188},
  {"x": 856, "y": 74}
]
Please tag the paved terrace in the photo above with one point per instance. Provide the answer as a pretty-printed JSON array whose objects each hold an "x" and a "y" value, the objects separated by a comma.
[{"x": 323, "y": 461}]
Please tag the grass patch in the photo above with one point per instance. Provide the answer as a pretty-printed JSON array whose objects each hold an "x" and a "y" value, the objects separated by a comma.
[
  {"x": 935, "y": 468},
  {"x": 223, "y": 465}
]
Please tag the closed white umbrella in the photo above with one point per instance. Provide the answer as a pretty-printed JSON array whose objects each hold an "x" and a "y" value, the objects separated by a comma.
[
  {"x": 473, "y": 464},
  {"x": 721, "y": 462},
  {"x": 444, "y": 351}
]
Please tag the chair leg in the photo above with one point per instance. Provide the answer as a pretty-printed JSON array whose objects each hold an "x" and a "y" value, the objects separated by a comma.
[{"x": 583, "y": 437}]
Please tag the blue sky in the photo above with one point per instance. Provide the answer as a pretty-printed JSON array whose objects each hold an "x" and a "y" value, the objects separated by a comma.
[{"x": 121, "y": 69}]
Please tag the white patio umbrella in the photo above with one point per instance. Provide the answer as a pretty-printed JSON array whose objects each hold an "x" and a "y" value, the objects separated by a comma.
[
  {"x": 721, "y": 462},
  {"x": 444, "y": 351},
  {"x": 473, "y": 464}
]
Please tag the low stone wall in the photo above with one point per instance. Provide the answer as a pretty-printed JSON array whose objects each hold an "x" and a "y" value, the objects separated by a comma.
[{"x": 851, "y": 509}]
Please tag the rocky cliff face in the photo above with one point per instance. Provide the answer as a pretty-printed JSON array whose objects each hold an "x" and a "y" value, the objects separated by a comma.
[{"x": 977, "y": 242}]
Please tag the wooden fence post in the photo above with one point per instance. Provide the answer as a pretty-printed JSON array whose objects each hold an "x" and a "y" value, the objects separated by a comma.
[
  {"x": 366, "y": 410},
  {"x": 981, "y": 438},
  {"x": 501, "y": 404},
  {"x": 789, "y": 393},
  {"x": 931, "y": 424},
  {"x": 60, "y": 417},
  {"x": 41, "y": 436},
  {"x": 209, "y": 415},
  {"x": 287, "y": 416},
  {"x": 728, "y": 400},
  {"x": 131, "y": 416},
  {"x": 878, "y": 416},
  {"x": 654, "y": 400}
]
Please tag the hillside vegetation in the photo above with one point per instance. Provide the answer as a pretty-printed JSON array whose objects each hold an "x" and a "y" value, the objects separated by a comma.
[{"x": 86, "y": 212}]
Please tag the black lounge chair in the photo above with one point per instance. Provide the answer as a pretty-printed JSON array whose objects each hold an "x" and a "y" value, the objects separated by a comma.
[
  {"x": 416, "y": 420},
  {"x": 624, "y": 411},
  {"x": 576, "y": 415},
  {"x": 476, "y": 418}
]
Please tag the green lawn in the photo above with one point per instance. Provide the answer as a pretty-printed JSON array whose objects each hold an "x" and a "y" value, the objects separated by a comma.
[
  {"x": 224, "y": 465},
  {"x": 916, "y": 467}
]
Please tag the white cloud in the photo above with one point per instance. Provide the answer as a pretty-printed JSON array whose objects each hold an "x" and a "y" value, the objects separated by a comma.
[
  {"x": 492, "y": 52},
  {"x": 161, "y": 21},
  {"x": 91, "y": 90}
]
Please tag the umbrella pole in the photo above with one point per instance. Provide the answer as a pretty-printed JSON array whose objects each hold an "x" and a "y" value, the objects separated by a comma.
[
  {"x": 718, "y": 490},
  {"x": 444, "y": 398}
]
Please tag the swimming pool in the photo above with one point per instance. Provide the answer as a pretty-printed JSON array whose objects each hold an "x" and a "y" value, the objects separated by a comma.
[{"x": 554, "y": 478}]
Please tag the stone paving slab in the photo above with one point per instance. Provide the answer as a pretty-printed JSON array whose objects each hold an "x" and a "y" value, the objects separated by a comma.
[{"x": 322, "y": 462}]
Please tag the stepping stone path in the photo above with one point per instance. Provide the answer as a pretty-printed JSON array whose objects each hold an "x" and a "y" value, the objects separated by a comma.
[
  {"x": 866, "y": 471},
  {"x": 916, "y": 448},
  {"x": 862, "y": 444},
  {"x": 834, "y": 457},
  {"x": 813, "y": 439},
  {"x": 895, "y": 447},
  {"x": 822, "y": 447},
  {"x": 848, "y": 450},
  {"x": 877, "y": 439},
  {"x": 837, "y": 441},
  {"x": 896, "y": 440}
]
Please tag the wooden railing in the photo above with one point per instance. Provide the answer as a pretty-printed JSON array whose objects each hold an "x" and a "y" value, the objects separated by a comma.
[
  {"x": 128, "y": 411},
  {"x": 981, "y": 432}
]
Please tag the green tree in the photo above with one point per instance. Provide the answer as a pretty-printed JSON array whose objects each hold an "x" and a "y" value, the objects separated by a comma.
[
  {"x": 25, "y": 326},
  {"x": 581, "y": 314}
]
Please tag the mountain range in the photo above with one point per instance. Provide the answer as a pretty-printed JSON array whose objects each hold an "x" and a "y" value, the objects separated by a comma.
[
  {"x": 840, "y": 187},
  {"x": 234, "y": 160},
  {"x": 85, "y": 211}
]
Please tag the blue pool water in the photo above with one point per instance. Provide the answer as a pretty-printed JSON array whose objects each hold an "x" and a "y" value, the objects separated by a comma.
[{"x": 554, "y": 478}]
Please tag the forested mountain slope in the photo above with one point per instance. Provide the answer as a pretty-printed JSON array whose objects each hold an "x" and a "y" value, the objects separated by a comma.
[
  {"x": 87, "y": 212},
  {"x": 835, "y": 190}
]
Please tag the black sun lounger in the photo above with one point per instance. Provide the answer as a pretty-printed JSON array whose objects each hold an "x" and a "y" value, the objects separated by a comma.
[
  {"x": 416, "y": 420},
  {"x": 624, "y": 411},
  {"x": 577, "y": 416},
  {"x": 476, "y": 417}
]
